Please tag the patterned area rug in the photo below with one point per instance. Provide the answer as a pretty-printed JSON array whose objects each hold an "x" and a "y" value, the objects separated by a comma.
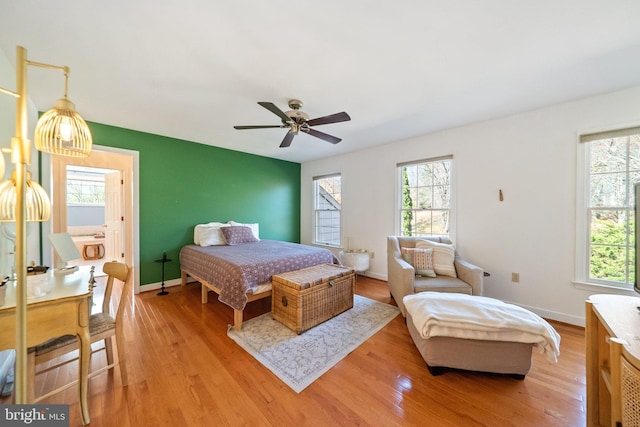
[{"x": 298, "y": 360}]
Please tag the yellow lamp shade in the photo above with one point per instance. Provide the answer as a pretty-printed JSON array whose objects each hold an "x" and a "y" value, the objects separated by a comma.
[
  {"x": 38, "y": 206},
  {"x": 63, "y": 132}
]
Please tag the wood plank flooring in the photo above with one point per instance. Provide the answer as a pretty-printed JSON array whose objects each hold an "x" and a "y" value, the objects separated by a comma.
[{"x": 185, "y": 371}]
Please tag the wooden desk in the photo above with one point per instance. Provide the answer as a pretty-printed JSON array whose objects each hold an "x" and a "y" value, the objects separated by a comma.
[
  {"x": 62, "y": 310},
  {"x": 613, "y": 360}
]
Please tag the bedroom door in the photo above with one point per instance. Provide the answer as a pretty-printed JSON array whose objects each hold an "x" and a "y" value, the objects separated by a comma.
[{"x": 113, "y": 216}]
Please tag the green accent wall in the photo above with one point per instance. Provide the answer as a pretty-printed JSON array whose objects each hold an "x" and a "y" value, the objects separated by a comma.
[{"x": 184, "y": 183}]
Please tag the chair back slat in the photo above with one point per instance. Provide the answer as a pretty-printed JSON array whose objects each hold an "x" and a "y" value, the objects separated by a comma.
[{"x": 120, "y": 271}]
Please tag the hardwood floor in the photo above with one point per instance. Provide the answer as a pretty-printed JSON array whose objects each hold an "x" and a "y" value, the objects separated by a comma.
[{"x": 184, "y": 370}]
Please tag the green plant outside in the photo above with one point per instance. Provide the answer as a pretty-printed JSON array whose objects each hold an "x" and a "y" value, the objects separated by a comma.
[
  {"x": 407, "y": 206},
  {"x": 609, "y": 251}
]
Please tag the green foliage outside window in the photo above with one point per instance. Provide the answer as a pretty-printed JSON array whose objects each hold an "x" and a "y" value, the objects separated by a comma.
[
  {"x": 407, "y": 205},
  {"x": 612, "y": 258}
]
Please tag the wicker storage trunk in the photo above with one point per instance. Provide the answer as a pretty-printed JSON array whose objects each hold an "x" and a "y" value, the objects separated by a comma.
[{"x": 304, "y": 298}]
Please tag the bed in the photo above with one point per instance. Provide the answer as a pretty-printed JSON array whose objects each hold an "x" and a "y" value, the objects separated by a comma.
[{"x": 241, "y": 273}]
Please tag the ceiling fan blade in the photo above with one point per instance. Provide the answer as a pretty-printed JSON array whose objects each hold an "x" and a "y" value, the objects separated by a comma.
[
  {"x": 275, "y": 110},
  {"x": 333, "y": 118},
  {"x": 258, "y": 127},
  {"x": 287, "y": 140},
  {"x": 322, "y": 135}
]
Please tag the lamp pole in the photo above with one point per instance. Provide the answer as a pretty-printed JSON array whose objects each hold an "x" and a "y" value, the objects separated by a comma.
[
  {"x": 75, "y": 141},
  {"x": 20, "y": 157}
]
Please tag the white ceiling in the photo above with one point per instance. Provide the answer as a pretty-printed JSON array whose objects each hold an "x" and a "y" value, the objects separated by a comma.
[{"x": 191, "y": 69}]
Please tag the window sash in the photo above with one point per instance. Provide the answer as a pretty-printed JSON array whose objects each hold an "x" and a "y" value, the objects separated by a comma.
[
  {"x": 432, "y": 213},
  {"x": 590, "y": 203},
  {"x": 327, "y": 211}
]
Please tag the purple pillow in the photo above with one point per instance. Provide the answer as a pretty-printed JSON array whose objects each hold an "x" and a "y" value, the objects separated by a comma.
[{"x": 237, "y": 234}]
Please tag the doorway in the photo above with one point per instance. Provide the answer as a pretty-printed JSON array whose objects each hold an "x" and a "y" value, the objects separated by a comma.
[
  {"x": 94, "y": 211},
  {"x": 105, "y": 228}
]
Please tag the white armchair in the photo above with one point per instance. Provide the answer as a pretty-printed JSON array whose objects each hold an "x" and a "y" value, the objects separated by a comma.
[{"x": 402, "y": 279}]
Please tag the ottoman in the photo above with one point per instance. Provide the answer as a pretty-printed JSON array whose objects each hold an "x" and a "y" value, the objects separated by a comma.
[{"x": 477, "y": 333}]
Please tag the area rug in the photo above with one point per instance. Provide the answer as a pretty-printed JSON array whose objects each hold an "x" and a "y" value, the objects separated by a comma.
[{"x": 299, "y": 360}]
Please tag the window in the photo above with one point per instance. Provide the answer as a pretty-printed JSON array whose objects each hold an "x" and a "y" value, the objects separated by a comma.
[
  {"x": 328, "y": 201},
  {"x": 85, "y": 187},
  {"x": 606, "y": 242},
  {"x": 425, "y": 197}
]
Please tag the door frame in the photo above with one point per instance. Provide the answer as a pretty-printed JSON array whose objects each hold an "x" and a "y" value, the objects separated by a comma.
[{"x": 131, "y": 206}]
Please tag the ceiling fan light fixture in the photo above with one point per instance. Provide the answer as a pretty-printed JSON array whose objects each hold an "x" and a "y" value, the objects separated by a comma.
[{"x": 298, "y": 116}]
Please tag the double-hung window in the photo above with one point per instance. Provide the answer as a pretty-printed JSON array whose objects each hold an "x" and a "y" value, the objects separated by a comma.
[
  {"x": 425, "y": 203},
  {"x": 85, "y": 187},
  {"x": 327, "y": 191},
  {"x": 610, "y": 165}
]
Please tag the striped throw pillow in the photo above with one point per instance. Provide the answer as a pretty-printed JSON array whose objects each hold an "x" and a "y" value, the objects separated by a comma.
[{"x": 420, "y": 259}]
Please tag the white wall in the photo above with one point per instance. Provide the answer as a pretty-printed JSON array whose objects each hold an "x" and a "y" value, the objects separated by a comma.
[{"x": 530, "y": 156}]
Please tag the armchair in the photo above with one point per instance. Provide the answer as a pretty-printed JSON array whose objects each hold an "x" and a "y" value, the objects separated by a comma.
[{"x": 402, "y": 279}]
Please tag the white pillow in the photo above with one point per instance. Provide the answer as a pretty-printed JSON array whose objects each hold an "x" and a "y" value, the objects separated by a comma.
[
  {"x": 196, "y": 233},
  {"x": 255, "y": 228},
  {"x": 208, "y": 234},
  {"x": 443, "y": 256}
]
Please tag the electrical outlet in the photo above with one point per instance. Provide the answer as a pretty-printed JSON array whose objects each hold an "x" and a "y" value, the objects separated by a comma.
[
  {"x": 515, "y": 277},
  {"x": 373, "y": 255}
]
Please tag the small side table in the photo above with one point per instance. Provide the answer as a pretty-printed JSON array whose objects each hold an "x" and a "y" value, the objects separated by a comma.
[
  {"x": 92, "y": 251},
  {"x": 163, "y": 260}
]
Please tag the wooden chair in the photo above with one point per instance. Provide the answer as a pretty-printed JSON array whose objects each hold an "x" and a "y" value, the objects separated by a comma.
[{"x": 102, "y": 326}]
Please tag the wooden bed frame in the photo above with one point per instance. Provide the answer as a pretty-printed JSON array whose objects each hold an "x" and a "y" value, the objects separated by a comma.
[{"x": 206, "y": 287}]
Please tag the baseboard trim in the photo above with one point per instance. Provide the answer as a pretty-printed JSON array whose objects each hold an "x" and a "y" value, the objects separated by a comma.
[{"x": 158, "y": 285}]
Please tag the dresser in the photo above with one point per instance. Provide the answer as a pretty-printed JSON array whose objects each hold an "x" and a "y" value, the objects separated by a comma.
[{"x": 613, "y": 360}]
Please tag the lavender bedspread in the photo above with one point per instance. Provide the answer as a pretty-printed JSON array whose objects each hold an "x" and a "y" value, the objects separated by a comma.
[{"x": 237, "y": 269}]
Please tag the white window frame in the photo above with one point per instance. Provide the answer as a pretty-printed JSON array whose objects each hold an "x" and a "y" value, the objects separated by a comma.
[
  {"x": 317, "y": 212},
  {"x": 583, "y": 172},
  {"x": 399, "y": 184}
]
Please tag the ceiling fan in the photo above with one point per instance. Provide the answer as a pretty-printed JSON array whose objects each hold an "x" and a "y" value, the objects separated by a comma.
[{"x": 298, "y": 121}]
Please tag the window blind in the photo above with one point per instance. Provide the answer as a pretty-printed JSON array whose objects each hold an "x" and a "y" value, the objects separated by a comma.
[
  {"x": 331, "y": 175},
  {"x": 616, "y": 133},
  {"x": 433, "y": 159}
]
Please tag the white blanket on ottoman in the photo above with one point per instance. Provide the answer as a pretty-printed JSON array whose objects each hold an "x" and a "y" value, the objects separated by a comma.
[{"x": 480, "y": 318}]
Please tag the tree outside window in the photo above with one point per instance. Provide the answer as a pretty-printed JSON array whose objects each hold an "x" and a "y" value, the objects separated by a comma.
[
  {"x": 82, "y": 191},
  {"x": 85, "y": 186}
]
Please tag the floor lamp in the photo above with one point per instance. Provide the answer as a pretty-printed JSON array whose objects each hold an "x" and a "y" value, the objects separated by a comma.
[{"x": 59, "y": 131}]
